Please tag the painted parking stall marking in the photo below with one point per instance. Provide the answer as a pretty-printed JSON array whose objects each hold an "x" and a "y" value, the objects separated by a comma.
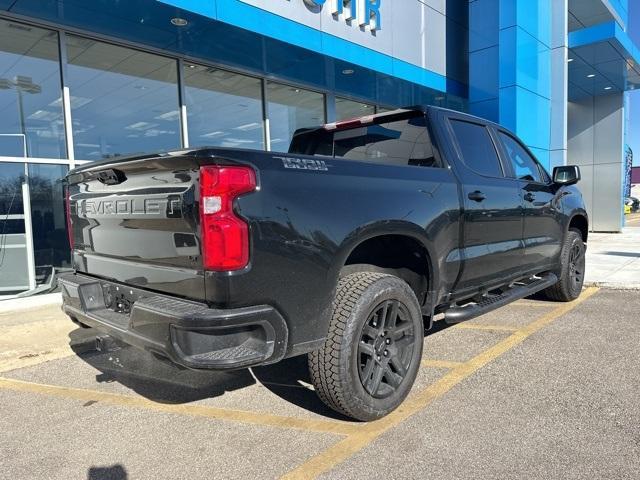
[
  {"x": 350, "y": 437},
  {"x": 356, "y": 442}
]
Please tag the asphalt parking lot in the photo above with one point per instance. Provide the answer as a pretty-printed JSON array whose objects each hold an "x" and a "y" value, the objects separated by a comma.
[{"x": 534, "y": 390}]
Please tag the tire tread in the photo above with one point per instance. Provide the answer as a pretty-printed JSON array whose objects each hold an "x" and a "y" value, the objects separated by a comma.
[
  {"x": 561, "y": 291},
  {"x": 324, "y": 364}
]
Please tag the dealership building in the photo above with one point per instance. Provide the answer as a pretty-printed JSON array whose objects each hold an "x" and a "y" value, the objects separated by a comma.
[{"x": 84, "y": 80}]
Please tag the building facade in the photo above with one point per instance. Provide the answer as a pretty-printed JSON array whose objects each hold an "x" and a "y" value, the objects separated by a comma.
[{"x": 82, "y": 81}]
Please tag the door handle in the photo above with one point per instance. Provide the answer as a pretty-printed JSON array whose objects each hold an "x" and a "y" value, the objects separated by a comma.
[
  {"x": 477, "y": 196},
  {"x": 529, "y": 197}
]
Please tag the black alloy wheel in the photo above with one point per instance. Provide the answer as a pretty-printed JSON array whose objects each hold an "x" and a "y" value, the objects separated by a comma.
[
  {"x": 576, "y": 265},
  {"x": 571, "y": 269},
  {"x": 371, "y": 356},
  {"x": 386, "y": 348}
]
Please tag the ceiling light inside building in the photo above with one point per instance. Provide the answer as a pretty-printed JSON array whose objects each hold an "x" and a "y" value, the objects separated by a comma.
[
  {"x": 348, "y": 71},
  {"x": 591, "y": 75},
  {"x": 248, "y": 126},
  {"x": 169, "y": 116},
  {"x": 141, "y": 126},
  {"x": 608, "y": 88},
  {"x": 213, "y": 134}
]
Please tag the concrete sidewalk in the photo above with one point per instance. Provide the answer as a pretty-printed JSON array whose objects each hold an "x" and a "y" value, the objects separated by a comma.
[{"x": 613, "y": 259}]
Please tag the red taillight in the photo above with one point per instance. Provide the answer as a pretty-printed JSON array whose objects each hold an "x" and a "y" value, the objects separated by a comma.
[
  {"x": 225, "y": 236},
  {"x": 67, "y": 205}
]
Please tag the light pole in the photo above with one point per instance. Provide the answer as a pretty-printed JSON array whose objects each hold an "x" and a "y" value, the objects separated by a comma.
[{"x": 22, "y": 85}]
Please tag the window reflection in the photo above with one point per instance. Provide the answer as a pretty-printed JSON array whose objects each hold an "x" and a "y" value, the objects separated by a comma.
[
  {"x": 346, "y": 109},
  {"x": 14, "y": 275},
  {"x": 122, "y": 101},
  {"x": 31, "y": 120},
  {"x": 291, "y": 108},
  {"x": 525, "y": 167},
  {"x": 477, "y": 148},
  {"x": 223, "y": 108},
  {"x": 11, "y": 207},
  {"x": 401, "y": 142},
  {"x": 51, "y": 245}
]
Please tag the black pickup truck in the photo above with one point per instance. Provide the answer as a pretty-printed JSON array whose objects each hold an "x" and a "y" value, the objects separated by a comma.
[{"x": 346, "y": 248}]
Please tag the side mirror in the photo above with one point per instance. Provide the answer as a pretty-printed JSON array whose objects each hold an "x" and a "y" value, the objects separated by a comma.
[{"x": 566, "y": 175}]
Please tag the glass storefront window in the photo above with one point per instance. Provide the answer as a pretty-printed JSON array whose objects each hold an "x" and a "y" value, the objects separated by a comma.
[
  {"x": 223, "y": 108},
  {"x": 123, "y": 101},
  {"x": 291, "y": 108},
  {"x": 31, "y": 119},
  {"x": 11, "y": 205},
  {"x": 349, "y": 109},
  {"x": 14, "y": 273},
  {"x": 50, "y": 241}
]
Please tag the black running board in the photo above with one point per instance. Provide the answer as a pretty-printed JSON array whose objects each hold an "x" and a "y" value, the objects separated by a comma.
[{"x": 491, "y": 302}]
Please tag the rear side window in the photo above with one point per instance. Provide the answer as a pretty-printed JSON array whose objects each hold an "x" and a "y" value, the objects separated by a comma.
[
  {"x": 524, "y": 166},
  {"x": 402, "y": 142},
  {"x": 477, "y": 148}
]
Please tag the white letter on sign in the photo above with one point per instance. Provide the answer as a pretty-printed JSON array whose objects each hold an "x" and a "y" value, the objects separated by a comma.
[
  {"x": 338, "y": 8},
  {"x": 368, "y": 11}
]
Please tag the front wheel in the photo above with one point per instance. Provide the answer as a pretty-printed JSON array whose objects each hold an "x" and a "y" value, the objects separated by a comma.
[
  {"x": 572, "y": 269},
  {"x": 371, "y": 357}
]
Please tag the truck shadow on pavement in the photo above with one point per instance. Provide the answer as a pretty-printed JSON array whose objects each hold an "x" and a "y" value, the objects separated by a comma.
[
  {"x": 154, "y": 378},
  {"x": 158, "y": 380},
  {"x": 115, "y": 472}
]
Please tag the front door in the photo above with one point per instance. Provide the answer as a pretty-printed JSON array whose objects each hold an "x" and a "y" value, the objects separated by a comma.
[
  {"x": 492, "y": 238},
  {"x": 542, "y": 232}
]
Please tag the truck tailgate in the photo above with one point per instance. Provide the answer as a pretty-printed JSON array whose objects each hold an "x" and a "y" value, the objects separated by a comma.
[{"x": 136, "y": 222}]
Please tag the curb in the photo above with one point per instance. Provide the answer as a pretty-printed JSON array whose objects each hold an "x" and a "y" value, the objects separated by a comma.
[
  {"x": 28, "y": 303},
  {"x": 632, "y": 287}
]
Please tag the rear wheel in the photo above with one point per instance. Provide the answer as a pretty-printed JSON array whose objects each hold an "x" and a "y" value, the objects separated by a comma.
[
  {"x": 572, "y": 269},
  {"x": 370, "y": 359}
]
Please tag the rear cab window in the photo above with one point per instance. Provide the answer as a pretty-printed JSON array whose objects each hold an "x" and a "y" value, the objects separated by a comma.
[{"x": 401, "y": 141}]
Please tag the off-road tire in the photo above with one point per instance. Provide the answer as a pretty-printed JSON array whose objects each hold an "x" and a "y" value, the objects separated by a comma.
[
  {"x": 572, "y": 269},
  {"x": 338, "y": 368}
]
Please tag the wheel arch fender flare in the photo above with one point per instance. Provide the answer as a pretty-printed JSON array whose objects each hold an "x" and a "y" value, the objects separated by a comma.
[
  {"x": 579, "y": 219},
  {"x": 384, "y": 228}
]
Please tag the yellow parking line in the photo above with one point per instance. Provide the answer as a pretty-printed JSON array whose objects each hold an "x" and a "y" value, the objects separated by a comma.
[
  {"x": 525, "y": 303},
  {"x": 347, "y": 447},
  {"x": 429, "y": 362},
  {"x": 479, "y": 326},
  {"x": 255, "y": 418},
  {"x": 35, "y": 358}
]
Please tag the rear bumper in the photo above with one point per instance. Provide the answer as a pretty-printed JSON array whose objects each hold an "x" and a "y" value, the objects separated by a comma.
[{"x": 189, "y": 333}]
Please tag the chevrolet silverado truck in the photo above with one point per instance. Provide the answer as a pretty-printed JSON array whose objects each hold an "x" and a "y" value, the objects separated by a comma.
[{"x": 346, "y": 248}]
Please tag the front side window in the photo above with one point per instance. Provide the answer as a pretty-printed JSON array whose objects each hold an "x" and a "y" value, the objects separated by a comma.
[
  {"x": 31, "y": 120},
  {"x": 123, "y": 101},
  {"x": 477, "y": 148},
  {"x": 524, "y": 166},
  {"x": 223, "y": 108}
]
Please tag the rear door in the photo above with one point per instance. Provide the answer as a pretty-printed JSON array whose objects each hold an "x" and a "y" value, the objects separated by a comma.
[
  {"x": 542, "y": 231},
  {"x": 137, "y": 223},
  {"x": 492, "y": 228}
]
